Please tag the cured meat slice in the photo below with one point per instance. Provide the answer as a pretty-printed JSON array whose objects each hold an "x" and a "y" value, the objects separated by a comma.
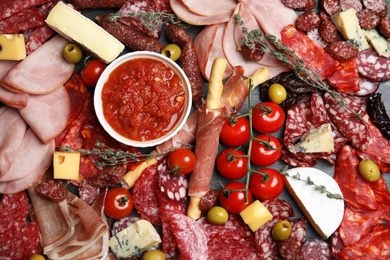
[
  {"x": 15, "y": 100},
  {"x": 315, "y": 36},
  {"x": 376, "y": 5},
  {"x": 29, "y": 154},
  {"x": 375, "y": 245},
  {"x": 121, "y": 224},
  {"x": 182, "y": 11},
  {"x": 229, "y": 248},
  {"x": 342, "y": 51},
  {"x": 217, "y": 7},
  {"x": 367, "y": 87},
  {"x": 23, "y": 20},
  {"x": 346, "y": 80},
  {"x": 12, "y": 131},
  {"x": 6, "y": 66},
  {"x": 368, "y": 19},
  {"x": 292, "y": 160},
  {"x": 33, "y": 176},
  {"x": 347, "y": 4},
  {"x": 331, "y": 6},
  {"x": 39, "y": 37},
  {"x": 373, "y": 66},
  {"x": 48, "y": 114},
  {"x": 39, "y": 74},
  {"x": 87, "y": 192},
  {"x": 314, "y": 56},
  {"x": 8, "y": 8},
  {"x": 307, "y": 21},
  {"x": 139, "y": 22},
  {"x": 378, "y": 146},
  {"x": 327, "y": 29},
  {"x": 290, "y": 250},
  {"x": 298, "y": 231},
  {"x": 145, "y": 197},
  {"x": 336, "y": 244},
  {"x": 190, "y": 236},
  {"x": 316, "y": 249},
  {"x": 173, "y": 185}
]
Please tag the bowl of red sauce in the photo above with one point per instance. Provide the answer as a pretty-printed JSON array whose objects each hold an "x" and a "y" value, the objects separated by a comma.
[{"x": 142, "y": 99}]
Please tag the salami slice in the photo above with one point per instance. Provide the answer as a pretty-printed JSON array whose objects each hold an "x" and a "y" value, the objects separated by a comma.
[
  {"x": 9, "y": 7},
  {"x": 234, "y": 228},
  {"x": 376, "y": 5},
  {"x": 342, "y": 51},
  {"x": 368, "y": 19},
  {"x": 40, "y": 35},
  {"x": 298, "y": 231},
  {"x": 307, "y": 21},
  {"x": 316, "y": 249},
  {"x": 229, "y": 248},
  {"x": 145, "y": 197},
  {"x": 336, "y": 245},
  {"x": 373, "y": 66},
  {"x": 347, "y": 4},
  {"x": 367, "y": 87},
  {"x": 88, "y": 192},
  {"x": 280, "y": 209},
  {"x": 327, "y": 29},
  {"x": 384, "y": 26},
  {"x": 331, "y": 7},
  {"x": 121, "y": 224},
  {"x": 209, "y": 200},
  {"x": 315, "y": 36},
  {"x": 173, "y": 185},
  {"x": 290, "y": 250},
  {"x": 300, "y": 5},
  {"x": 290, "y": 159}
]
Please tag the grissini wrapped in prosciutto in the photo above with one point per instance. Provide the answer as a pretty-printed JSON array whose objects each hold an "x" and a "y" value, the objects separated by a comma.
[
  {"x": 234, "y": 94},
  {"x": 210, "y": 121}
]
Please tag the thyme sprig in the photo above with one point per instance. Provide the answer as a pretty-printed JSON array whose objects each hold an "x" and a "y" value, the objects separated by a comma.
[
  {"x": 152, "y": 19},
  {"x": 288, "y": 57},
  {"x": 110, "y": 156},
  {"x": 308, "y": 181}
]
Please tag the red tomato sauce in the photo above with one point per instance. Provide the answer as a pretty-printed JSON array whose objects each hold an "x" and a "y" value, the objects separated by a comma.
[{"x": 143, "y": 99}]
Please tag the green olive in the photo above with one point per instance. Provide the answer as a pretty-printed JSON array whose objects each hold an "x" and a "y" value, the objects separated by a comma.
[
  {"x": 217, "y": 215},
  {"x": 153, "y": 255},
  {"x": 281, "y": 230},
  {"x": 36, "y": 257},
  {"x": 277, "y": 93},
  {"x": 369, "y": 170},
  {"x": 72, "y": 53},
  {"x": 172, "y": 51}
]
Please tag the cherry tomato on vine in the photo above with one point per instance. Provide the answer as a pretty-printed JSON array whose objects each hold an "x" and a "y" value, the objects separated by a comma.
[
  {"x": 266, "y": 190},
  {"x": 92, "y": 71},
  {"x": 235, "y": 203},
  {"x": 181, "y": 161},
  {"x": 230, "y": 167},
  {"x": 269, "y": 119},
  {"x": 261, "y": 155},
  {"x": 237, "y": 134},
  {"x": 118, "y": 203}
]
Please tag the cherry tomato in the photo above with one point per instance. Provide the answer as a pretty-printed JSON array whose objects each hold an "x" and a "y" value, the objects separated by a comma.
[
  {"x": 268, "y": 122},
  {"x": 235, "y": 203},
  {"x": 118, "y": 203},
  {"x": 181, "y": 161},
  {"x": 263, "y": 156},
  {"x": 232, "y": 168},
  {"x": 237, "y": 134},
  {"x": 269, "y": 189},
  {"x": 92, "y": 71}
]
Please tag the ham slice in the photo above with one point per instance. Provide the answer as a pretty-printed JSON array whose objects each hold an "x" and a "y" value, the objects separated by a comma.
[
  {"x": 12, "y": 131},
  {"x": 70, "y": 229},
  {"x": 206, "y": 7},
  {"x": 34, "y": 175},
  {"x": 185, "y": 14},
  {"x": 43, "y": 71},
  {"x": 48, "y": 114},
  {"x": 12, "y": 99},
  {"x": 208, "y": 46},
  {"x": 6, "y": 66},
  {"x": 29, "y": 156}
]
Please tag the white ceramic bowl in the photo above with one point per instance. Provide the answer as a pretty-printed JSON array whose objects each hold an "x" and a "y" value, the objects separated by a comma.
[{"x": 105, "y": 75}]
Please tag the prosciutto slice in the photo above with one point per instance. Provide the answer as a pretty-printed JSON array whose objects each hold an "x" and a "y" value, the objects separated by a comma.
[
  {"x": 70, "y": 229},
  {"x": 48, "y": 114},
  {"x": 43, "y": 71},
  {"x": 12, "y": 130}
]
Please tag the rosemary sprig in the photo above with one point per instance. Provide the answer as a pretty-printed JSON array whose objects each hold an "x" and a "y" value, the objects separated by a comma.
[
  {"x": 288, "y": 57},
  {"x": 152, "y": 19},
  {"x": 110, "y": 156},
  {"x": 320, "y": 188}
]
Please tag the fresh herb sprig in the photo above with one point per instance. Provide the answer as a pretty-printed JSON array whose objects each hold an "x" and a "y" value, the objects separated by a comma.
[
  {"x": 110, "y": 156},
  {"x": 152, "y": 19},
  {"x": 288, "y": 57},
  {"x": 308, "y": 181}
]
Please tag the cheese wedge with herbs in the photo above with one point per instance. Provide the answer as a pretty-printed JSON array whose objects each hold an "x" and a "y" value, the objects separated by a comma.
[
  {"x": 74, "y": 26},
  {"x": 12, "y": 47},
  {"x": 324, "y": 213}
]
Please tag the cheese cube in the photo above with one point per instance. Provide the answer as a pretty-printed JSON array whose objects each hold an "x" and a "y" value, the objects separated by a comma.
[
  {"x": 319, "y": 140},
  {"x": 255, "y": 215},
  {"x": 74, "y": 26},
  {"x": 378, "y": 42},
  {"x": 348, "y": 25},
  {"x": 66, "y": 165},
  {"x": 134, "y": 240},
  {"x": 12, "y": 47}
]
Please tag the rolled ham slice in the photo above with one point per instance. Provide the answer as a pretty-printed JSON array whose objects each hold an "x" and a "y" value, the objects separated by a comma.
[
  {"x": 185, "y": 14},
  {"x": 29, "y": 156},
  {"x": 43, "y": 71},
  {"x": 48, "y": 114},
  {"x": 34, "y": 175},
  {"x": 208, "y": 8},
  {"x": 12, "y": 132}
]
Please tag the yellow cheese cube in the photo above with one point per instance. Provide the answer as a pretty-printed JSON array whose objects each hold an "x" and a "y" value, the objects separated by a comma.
[
  {"x": 74, "y": 26},
  {"x": 256, "y": 215},
  {"x": 66, "y": 165},
  {"x": 12, "y": 47}
]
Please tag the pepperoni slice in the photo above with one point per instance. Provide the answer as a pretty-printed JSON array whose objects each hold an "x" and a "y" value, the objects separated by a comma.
[{"x": 314, "y": 56}]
